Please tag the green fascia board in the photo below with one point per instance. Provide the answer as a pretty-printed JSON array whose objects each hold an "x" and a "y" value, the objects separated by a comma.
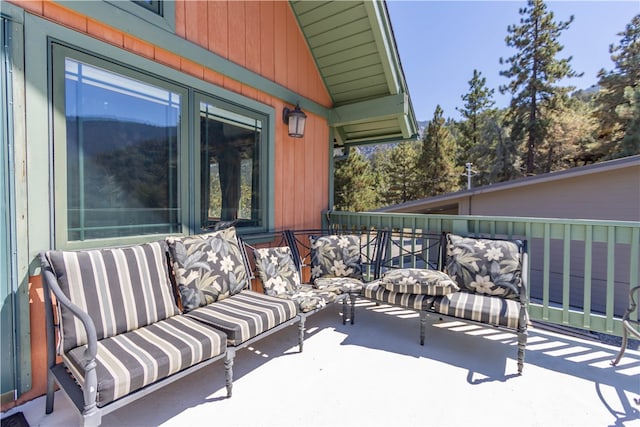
[
  {"x": 370, "y": 110},
  {"x": 125, "y": 20},
  {"x": 385, "y": 35},
  {"x": 381, "y": 140},
  {"x": 382, "y": 37}
]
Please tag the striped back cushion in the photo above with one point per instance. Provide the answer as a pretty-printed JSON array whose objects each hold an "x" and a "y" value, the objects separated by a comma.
[{"x": 121, "y": 289}]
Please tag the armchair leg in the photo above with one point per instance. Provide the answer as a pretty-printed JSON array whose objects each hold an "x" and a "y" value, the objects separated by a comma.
[
  {"x": 623, "y": 347},
  {"x": 629, "y": 326},
  {"x": 353, "y": 298}
]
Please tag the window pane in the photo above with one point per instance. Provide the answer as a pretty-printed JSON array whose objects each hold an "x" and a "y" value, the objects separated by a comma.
[
  {"x": 122, "y": 155},
  {"x": 153, "y": 5},
  {"x": 230, "y": 167}
]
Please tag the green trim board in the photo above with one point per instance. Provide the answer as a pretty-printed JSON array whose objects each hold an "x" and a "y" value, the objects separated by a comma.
[
  {"x": 112, "y": 14},
  {"x": 349, "y": 88},
  {"x": 40, "y": 35},
  {"x": 8, "y": 380},
  {"x": 18, "y": 282}
]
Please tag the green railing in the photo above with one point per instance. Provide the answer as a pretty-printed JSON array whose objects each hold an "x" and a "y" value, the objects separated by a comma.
[{"x": 580, "y": 271}]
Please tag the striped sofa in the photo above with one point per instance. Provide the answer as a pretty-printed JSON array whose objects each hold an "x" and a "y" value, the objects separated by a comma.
[
  {"x": 478, "y": 280},
  {"x": 133, "y": 319}
]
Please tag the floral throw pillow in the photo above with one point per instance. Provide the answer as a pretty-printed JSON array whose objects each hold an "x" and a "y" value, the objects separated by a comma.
[
  {"x": 419, "y": 281},
  {"x": 277, "y": 270},
  {"x": 491, "y": 267},
  {"x": 207, "y": 267},
  {"x": 335, "y": 256}
]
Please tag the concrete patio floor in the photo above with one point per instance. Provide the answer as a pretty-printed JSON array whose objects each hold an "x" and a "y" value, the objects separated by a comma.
[{"x": 375, "y": 373}]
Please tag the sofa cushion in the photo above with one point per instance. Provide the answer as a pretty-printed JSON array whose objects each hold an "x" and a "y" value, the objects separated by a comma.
[
  {"x": 335, "y": 256},
  {"x": 246, "y": 315},
  {"x": 377, "y": 292},
  {"x": 480, "y": 308},
  {"x": 130, "y": 361},
  {"x": 121, "y": 289},
  {"x": 207, "y": 267},
  {"x": 277, "y": 270},
  {"x": 484, "y": 266},
  {"x": 418, "y": 281}
]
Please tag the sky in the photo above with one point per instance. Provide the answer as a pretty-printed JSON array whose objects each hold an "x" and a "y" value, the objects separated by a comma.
[{"x": 440, "y": 43}]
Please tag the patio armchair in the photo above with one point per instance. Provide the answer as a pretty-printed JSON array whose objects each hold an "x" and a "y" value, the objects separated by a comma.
[
  {"x": 630, "y": 323},
  {"x": 341, "y": 261},
  {"x": 477, "y": 280}
]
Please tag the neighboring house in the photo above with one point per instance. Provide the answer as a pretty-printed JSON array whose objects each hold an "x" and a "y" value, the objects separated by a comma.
[
  {"x": 126, "y": 121},
  {"x": 608, "y": 190}
]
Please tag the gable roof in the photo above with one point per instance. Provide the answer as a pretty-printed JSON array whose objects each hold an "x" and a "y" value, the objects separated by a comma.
[{"x": 354, "y": 48}]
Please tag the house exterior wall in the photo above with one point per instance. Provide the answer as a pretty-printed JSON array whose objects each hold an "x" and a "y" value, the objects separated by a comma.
[
  {"x": 611, "y": 195},
  {"x": 261, "y": 36}
]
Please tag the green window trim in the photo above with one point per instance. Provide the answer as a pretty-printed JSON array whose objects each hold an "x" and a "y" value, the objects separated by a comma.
[{"x": 189, "y": 135}]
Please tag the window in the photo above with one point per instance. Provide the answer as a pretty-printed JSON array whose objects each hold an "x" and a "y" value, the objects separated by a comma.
[
  {"x": 126, "y": 158},
  {"x": 229, "y": 166},
  {"x": 153, "y": 5},
  {"x": 122, "y": 151}
]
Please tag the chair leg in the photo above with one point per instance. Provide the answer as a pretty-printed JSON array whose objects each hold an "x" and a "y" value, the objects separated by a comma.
[
  {"x": 301, "y": 332},
  {"x": 353, "y": 298},
  {"x": 51, "y": 388},
  {"x": 228, "y": 369},
  {"x": 423, "y": 326},
  {"x": 522, "y": 343}
]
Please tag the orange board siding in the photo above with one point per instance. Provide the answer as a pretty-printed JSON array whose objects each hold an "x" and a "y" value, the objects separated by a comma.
[
  {"x": 267, "y": 40},
  {"x": 262, "y": 36}
]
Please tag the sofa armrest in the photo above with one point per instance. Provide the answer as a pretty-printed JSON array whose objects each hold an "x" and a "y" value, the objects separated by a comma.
[{"x": 50, "y": 285}]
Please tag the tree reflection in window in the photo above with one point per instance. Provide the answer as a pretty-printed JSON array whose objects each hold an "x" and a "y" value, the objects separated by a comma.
[
  {"x": 122, "y": 155},
  {"x": 230, "y": 167}
]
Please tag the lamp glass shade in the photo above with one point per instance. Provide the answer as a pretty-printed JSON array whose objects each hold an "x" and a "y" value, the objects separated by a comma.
[{"x": 296, "y": 119}]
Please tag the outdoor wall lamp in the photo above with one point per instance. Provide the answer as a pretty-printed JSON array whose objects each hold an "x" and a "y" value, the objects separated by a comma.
[{"x": 296, "y": 119}]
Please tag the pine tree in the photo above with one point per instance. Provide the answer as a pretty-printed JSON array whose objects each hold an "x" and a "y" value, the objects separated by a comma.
[
  {"x": 440, "y": 175},
  {"x": 476, "y": 100},
  {"x": 572, "y": 131},
  {"x": 401, "y": 173},
  {"x": 354, "y": 184},
  {"x": 618, "y": 108},
  {"x": 534, "y": 71}
]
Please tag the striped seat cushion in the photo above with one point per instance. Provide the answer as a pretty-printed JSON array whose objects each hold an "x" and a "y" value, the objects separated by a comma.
[
  {"x": 245, "y": 315},
  {"x": 480, "y": 308},
  {"x": 130, "y": 361},
  {"x": 121, "y": 289},
  {"x": 377, "y": 292}
]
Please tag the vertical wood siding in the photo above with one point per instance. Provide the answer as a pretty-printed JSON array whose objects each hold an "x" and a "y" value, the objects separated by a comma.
[{"x": 262, "y": 36}]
